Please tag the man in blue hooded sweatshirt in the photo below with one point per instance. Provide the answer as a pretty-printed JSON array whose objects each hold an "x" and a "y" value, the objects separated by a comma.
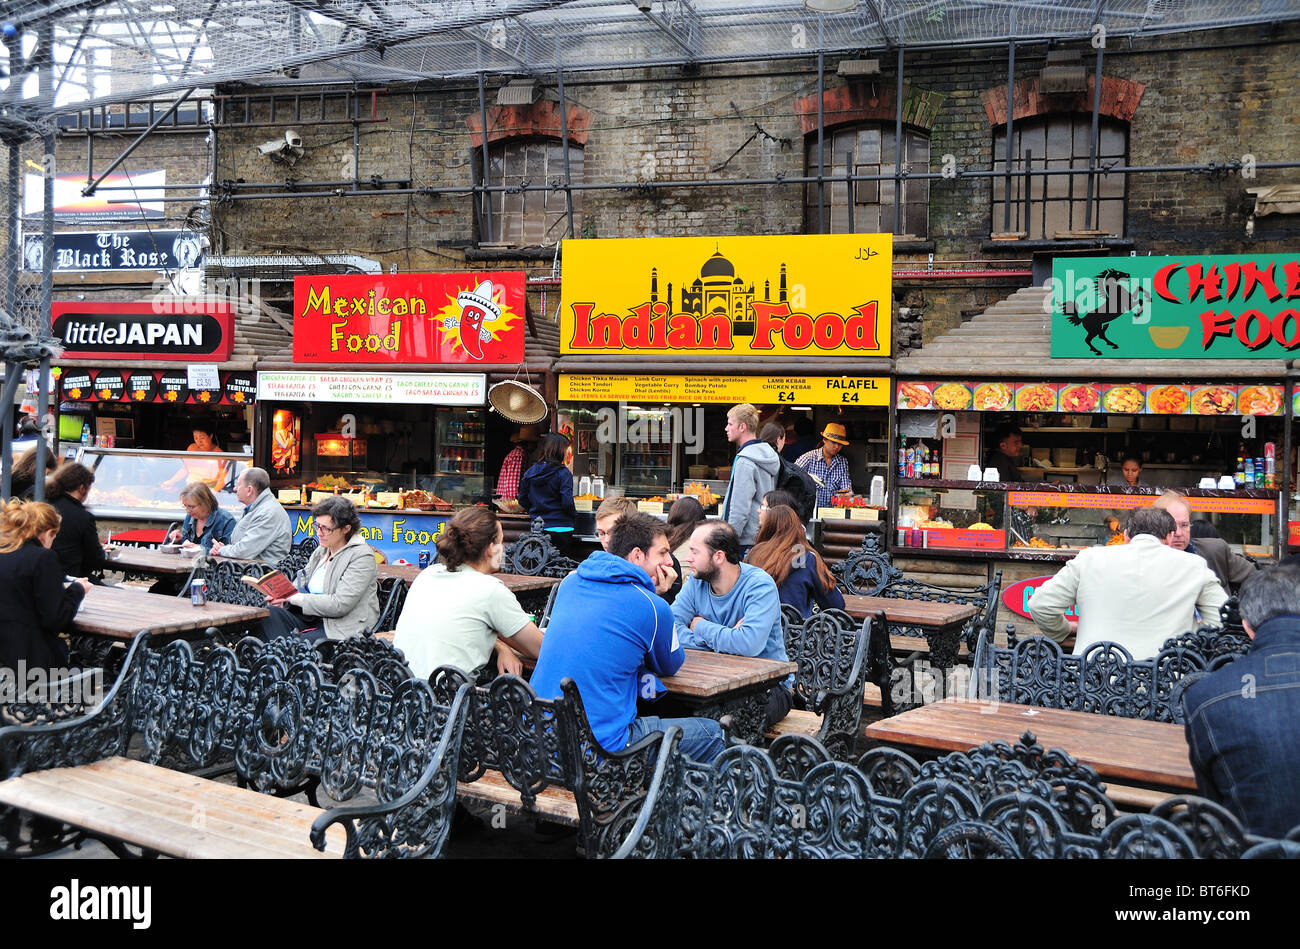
[{"x": 607, "y": 628}]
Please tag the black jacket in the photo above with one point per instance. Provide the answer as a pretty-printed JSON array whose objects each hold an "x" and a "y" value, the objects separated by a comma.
[
  {"x": 77, "y": 545},
  {"x": 37, "y": 607}
]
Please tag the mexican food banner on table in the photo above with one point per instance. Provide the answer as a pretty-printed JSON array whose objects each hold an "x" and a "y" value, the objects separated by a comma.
[
  {"x": 803, "y": 295},
  {"x": 1115, "y": 398},
  {"x": 462, "y": 318},
  {"x": 1185, "y": 307}
]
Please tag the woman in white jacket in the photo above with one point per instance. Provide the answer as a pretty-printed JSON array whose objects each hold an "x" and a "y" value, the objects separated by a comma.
[{"x": 337, "y": 596}]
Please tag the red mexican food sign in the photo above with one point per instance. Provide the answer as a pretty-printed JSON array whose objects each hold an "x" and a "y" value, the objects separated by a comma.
[{"x": 458, "y": 318}]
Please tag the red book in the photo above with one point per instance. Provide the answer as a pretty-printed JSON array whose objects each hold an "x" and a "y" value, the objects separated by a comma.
[{"x": 274, "y": 584}]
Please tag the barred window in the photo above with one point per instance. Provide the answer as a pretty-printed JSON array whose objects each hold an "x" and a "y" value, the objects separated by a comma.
[
  {"x": 529, "y": 217},
  {"x": 868, "y": 150},
  {"x": 1047, "y": 206}
]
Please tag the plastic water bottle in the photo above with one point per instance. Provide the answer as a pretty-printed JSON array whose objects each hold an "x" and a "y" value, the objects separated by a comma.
[{"x": 85, "y": 435}]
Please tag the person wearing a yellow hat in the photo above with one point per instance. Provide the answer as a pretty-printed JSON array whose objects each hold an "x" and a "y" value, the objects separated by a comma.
[{"x": 827, "y": 466}]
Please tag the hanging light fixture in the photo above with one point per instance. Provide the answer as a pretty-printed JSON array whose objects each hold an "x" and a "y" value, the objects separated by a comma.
[{"x": 830, "y": 6}]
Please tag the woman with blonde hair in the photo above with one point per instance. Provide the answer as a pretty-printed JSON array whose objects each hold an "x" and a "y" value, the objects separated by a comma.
[
  {"x": 782, "y": 551},
  {"x": 37, "y": 606}
]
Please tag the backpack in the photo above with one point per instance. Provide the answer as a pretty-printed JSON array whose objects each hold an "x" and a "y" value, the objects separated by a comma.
[{"x": 800, "y": 485}]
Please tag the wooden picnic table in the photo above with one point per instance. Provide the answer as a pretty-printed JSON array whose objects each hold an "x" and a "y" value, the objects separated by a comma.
[
  {"x": 120, "y": 613},
  {"x": 941, "y": 622},
  {"x": 145, "y": 560},
  {"x": 1152, "y": 754}
]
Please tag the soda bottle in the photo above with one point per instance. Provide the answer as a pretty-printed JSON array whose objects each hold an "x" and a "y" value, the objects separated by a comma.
[
  {"x": 1248, "y": 473},
  {"x": 85, "y": 434}
]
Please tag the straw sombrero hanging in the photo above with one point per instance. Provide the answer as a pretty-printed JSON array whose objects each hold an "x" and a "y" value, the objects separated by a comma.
[{"x": 518, "y": 402}]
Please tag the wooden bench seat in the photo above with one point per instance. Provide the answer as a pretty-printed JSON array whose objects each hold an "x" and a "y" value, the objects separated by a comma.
[
  {"x": 171, "y": 813},
  {"x": 1139, "y": 799},
  {"x": 911, "y": 644},
  {"x": 553, "y": 803},
  {"x": 797, "y": 722}
]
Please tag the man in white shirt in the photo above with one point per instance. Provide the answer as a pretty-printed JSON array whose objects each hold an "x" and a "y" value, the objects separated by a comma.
[{"x": 1138, "y": 594}]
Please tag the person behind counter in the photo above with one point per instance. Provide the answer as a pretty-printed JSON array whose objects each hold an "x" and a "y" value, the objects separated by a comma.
[
  {"x": 205, "y": 521},
  {"x": 211, "y": 471},
  {"x": 458, "y": 613},
  {"x": 1131, "y": 469},
  {"x": 338, "y": 585},
  {"x": 77, "y": 545},
  {"x": 525, "y": 441},
  {"x": 782, "y": 552},
  {"x": 38, "y": 607},
  {"x": 546, "y": 489},
  {"x": 264, "y": 532},
  {"x": 1006, "y": 456},
  {"x": 23, "y": 479},
  {"x": 827, "y": 466}
]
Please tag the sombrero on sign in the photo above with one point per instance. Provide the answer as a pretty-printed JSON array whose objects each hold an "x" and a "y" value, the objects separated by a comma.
[
  {"x": 518, "y": 402},
  {"x": 480, "y": 296}
]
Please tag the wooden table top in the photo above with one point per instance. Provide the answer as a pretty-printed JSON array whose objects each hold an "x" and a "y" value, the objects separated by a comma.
[
  {"x": 144, "y": 560},
  {"x": 123, "y": 613},
  {"x": 909, "y": 612},
  {"x": 707, "y": 674},
  {"x": 1128, "y": 749},
  {"x": 516, "y": 583}
]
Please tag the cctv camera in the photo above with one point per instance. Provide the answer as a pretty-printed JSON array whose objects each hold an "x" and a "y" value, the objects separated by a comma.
[
  {"x": 643, "y": 5},
  {"x": 292, "y": 138}
]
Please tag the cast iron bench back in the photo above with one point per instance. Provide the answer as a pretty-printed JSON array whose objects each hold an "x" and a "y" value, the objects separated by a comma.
[
  {"x": 995, "y": 800},
  {"x": 830, "y": 648},
  {"x": 1104, "y": 680},
  {"x": 534, "y": 555},
  {"x": 287, "y": 728}
]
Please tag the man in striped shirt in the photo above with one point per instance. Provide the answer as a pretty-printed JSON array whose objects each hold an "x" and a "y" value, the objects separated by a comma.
[{"x": 827, "y": 466}]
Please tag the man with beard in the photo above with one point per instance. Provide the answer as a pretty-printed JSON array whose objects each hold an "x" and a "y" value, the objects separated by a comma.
[{"x": 731, "y": 607}]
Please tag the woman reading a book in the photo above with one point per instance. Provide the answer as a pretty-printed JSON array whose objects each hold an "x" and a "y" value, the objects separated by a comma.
[
  {"x": 457, "y": 613},
  {"x": 334, "y": 597}
]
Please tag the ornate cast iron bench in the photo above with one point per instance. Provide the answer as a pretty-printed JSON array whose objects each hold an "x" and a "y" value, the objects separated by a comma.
[
  {"x": 538, "y": 757},
  {"x": 869, "y": 571},
  {"x": 288, "y": 729},
  {"x": 995, "y": 800},
  {"x": 831, "y": 651}
]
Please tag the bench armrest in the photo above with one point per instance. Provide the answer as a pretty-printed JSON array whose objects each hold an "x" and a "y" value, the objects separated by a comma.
[
  {"x": 100, "y": 733},
  {"x": 415, "y": 824},
  {"x": 654, "y": 832}
]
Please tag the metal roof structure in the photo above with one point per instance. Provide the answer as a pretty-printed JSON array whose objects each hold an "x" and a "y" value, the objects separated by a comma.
[{"x": 96, "y": 52}]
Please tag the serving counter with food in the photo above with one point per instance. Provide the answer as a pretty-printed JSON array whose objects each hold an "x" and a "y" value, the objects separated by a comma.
[
  {"x": 1047, "y": 521},
  {"x": 134, "y": 485}
]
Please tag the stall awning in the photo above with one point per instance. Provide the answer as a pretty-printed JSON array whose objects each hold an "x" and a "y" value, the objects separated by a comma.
[{"x": 1013, "y": 338}]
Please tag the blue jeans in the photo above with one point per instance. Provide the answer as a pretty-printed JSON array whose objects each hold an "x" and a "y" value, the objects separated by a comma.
[{"x": 702, "y": 738}]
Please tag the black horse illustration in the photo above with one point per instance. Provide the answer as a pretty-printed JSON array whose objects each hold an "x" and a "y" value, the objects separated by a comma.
[{"x": 1117, "y": 300}]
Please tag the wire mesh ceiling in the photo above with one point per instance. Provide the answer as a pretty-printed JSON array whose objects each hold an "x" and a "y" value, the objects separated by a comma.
[{"x": 106, "y": 51}]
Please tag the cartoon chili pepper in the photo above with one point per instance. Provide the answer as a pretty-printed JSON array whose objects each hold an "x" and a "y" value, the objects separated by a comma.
[{"x": 475, "y": 308}]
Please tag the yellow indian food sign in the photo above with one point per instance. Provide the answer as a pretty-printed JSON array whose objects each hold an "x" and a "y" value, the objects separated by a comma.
[
  {"x": 804, "y": 295},
  {"x": 762, "y": 390}
]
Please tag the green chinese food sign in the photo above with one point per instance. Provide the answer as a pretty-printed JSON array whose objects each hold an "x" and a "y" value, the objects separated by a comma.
[{"x": 1176, "y": 307}]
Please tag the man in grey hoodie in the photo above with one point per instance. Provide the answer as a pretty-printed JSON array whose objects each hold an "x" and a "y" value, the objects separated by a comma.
[{"x": 753, "y": 474}]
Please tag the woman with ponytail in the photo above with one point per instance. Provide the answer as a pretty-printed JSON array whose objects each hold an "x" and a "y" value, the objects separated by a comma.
[
  {"x": 457, "y": 613},
  {"x": 37, "y": 605}
]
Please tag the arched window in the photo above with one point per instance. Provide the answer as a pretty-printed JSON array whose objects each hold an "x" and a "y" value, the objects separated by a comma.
[
  {"x": 529, "y": 217},
  {"x": 1045, "y": 207},
  {"x": 868, "y": 149}
]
